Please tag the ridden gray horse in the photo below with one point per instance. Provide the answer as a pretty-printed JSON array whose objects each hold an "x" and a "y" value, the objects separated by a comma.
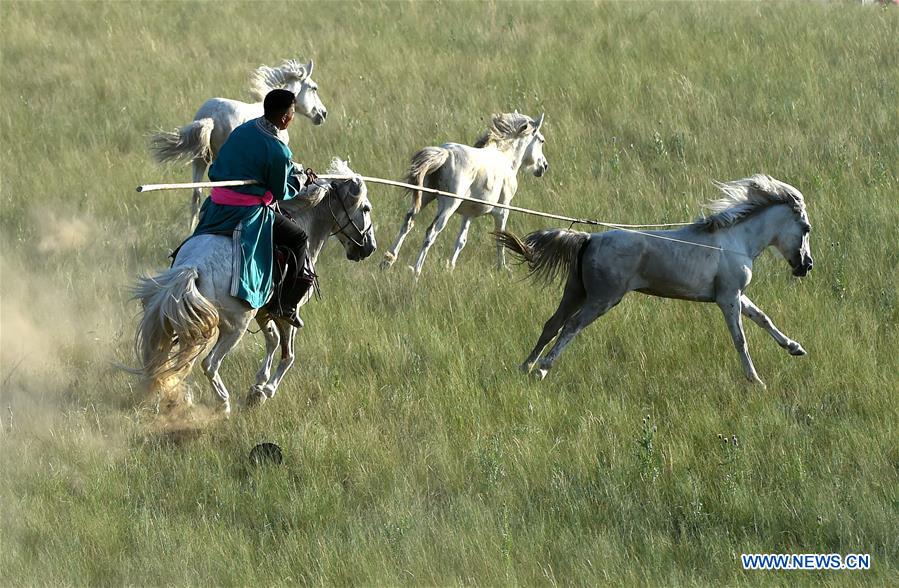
[
  {"x": 708, "y": 261},
  {"x": 217, "y": 117},
  {"x": 488, "y": 171},
  {"x": 186, "y": 306}
]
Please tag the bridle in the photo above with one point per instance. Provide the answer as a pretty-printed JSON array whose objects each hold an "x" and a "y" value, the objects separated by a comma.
[{"x": 341, "y": 230}]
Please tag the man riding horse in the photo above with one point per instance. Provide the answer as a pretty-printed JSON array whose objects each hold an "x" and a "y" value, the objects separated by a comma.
[{"x": 254, "y": 151}]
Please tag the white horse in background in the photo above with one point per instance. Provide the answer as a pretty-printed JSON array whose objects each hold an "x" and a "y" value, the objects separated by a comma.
[
  {"x": 708, "y": 261},
  {"x": 201, "y": 140},
  {"x": 188, "y": 306},
  {"x": 488, "y": 171}
]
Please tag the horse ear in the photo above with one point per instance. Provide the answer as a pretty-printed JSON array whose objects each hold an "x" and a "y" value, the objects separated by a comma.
[
  {"x": 539, "y": 122},
  {"x": 308, "y": 68}
]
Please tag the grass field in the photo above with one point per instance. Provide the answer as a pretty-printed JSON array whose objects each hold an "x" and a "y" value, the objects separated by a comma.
[{"x": 415, "y": 453}]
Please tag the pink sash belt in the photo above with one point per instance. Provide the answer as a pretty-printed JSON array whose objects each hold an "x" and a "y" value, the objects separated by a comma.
[{"x": 234, "y": 198}]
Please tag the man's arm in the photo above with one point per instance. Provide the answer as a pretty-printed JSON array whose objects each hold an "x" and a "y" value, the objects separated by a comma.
[{"x": 279, "y": 173}]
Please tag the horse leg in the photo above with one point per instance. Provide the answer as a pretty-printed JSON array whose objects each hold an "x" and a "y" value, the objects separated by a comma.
[
  {"x": 592, "y": 310},
  {"x": 229, "y": 335},
  {"x": 761, "y": 319},
  {"x": 500, "y": 217},
  {"x": 447, "y": 208},
  {"x": 461, "y": 240},
  {"x": 287, "y": 332},
  {"x": 408, "y": 223},
  {"x": 199, "y": 166},
  {"x": 257, "y": 394},
  {"x": 731, "y": 308},
  {"x": 572, "y": 299}
]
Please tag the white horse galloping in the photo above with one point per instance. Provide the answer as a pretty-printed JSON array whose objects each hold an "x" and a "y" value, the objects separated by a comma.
[
  {"x": 201, "y": 140},
  {"x": 488, "y": 171},
  {"x": 708, "y": 261},
  {"x": 186, "y": 306}
]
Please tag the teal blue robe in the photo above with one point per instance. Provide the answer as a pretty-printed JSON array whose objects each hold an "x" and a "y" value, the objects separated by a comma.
[{"x": 251, "y": 152}]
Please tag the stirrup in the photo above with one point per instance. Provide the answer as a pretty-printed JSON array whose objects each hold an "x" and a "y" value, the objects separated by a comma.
[{"x": 290, "y": 316}]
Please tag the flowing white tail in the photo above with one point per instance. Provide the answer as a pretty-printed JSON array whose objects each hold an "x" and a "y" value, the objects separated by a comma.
[
  {"x": 424, "y": 162},
  {"x": 176, "y": 326},
  {"x": 192, "y": 141}
]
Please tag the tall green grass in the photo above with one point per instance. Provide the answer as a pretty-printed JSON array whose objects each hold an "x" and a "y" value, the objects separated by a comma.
[{"x": 415, "y": 453}]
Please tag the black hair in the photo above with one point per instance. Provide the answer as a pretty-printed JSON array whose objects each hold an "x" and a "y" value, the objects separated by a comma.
[{"x": 277, "y": 102}]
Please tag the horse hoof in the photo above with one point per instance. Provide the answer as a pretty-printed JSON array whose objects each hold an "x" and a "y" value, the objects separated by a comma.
[
  {"x": 758, "y": 384},
  {"x": 540, "y": 374},
  {"x": 256, "y": 398},
  {"x": 224, "y": 410},
  {"x": 525, "y": 368},
  {"x": 796, "y": 349},
  {"x": 385, "y": 265}
]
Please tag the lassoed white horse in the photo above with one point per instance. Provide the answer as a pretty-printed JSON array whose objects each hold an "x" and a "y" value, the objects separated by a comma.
[
  {"x": 488, "y": 171},
  {"x": 186, "y": 306},
  {"x": 708, "y": 261},
  {"x": 201, "y": 140}
]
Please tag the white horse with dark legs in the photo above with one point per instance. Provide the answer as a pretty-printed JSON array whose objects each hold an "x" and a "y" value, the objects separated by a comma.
[
  {"x": 188, "y": 306},
  {"x": 488, "y": 171},
  {"x": 201, "y": 140},
  {"x": 708, "y": 261}
]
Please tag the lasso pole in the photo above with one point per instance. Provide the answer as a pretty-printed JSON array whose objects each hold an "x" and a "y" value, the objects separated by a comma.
[
  {"x": 188, "y": 185},
  {"x": 568, "y": 219}
]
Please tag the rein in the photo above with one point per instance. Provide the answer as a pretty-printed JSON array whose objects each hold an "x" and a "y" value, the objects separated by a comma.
[{"x": 341, "y": 230}]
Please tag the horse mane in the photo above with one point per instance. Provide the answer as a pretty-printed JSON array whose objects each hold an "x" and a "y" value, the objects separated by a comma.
[
  {"x": 265, "y": 79},
  {"x": 298, "y": 206},
  {"x": 743, "y": 198},
  {"x": 340, "y": 167},
  {"x": 503, "y": 127}
]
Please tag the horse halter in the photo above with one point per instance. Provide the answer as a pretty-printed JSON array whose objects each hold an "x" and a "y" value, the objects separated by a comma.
[{"x": 341, "y": 230}]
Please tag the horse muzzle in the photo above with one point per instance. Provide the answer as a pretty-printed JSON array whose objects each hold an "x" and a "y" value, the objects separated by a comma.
[
  {"x": 802, "y": 270},
  {"x": 356, "y": 253},
  {"x": 541, "y": 169},
  {"x": 319, "y": 116}
]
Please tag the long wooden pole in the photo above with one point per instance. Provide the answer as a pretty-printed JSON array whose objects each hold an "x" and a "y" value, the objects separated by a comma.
[
  {"x": 188, "y": 185},
  {"x": 568, "y": 219}
]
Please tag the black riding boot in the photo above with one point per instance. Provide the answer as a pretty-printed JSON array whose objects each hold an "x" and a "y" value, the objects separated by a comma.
[{"x": 296, "y": 281}]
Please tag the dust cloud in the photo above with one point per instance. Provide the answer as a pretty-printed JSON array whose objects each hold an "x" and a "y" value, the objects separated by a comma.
[{"x": 64, "y": 335}]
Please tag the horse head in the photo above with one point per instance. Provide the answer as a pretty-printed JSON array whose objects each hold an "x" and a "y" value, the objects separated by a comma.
[
  {"x": 308, "y": 102},
  {"x": 534, "y": 160},
  {"x": 350, "y": 209},
  {"x": 793, "y": 244},
  {"x": 792, "y": 235}
]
